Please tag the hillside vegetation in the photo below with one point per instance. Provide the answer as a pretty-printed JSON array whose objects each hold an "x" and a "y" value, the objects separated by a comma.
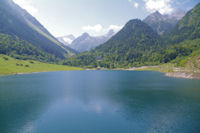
[
  {"x": 20, "y": 49},
  {"x": 187, "y": 29},
  {"x": 138, "y": 45},
  {"x": 129, "y": 47}
]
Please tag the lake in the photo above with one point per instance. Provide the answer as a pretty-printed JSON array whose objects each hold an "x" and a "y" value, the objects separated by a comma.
[{"x": 99, "y": 102}]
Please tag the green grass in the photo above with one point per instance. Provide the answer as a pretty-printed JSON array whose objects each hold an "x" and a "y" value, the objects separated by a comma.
[
  {"x": 161, "y": 68},
  {"x": 10, "y": 65}
]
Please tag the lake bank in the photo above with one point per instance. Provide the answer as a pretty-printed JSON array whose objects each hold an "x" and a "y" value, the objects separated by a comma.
[
  {"x": 183, "y": 75},
  {"x": 170, "y": 71},
  {"x": 11, "y": 66}
]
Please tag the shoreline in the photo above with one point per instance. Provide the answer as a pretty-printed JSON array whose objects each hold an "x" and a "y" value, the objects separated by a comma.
[
  {"x": 14, "y": 74},
  {"x": 173, "y": 73},
  {"x": 169, "y": 71},
  {"x": 185, "y": 75}
]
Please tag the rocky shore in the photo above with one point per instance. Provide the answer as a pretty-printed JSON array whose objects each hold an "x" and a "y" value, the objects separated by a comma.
[
  {"x": 183, "y": 75},
  {"x": 170, "y": 71}
]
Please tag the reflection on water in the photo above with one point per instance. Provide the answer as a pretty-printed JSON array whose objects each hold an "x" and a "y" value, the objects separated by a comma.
[{"x": 97, "y": 102}]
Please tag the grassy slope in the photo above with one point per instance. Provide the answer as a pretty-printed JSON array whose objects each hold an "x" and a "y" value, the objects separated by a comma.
[
  {"x": 193, "y": 61},
  {"x": 49, "y": 37},
  {"x": 10, "y": 65}
]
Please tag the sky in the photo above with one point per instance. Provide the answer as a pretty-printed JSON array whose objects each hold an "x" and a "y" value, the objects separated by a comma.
[{"x": 96, "y": 17}]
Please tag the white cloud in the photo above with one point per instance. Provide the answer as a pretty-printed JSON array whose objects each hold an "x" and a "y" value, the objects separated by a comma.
[
  {"x": 135, "y": 4},
  {"x": 114, "y": 27},
  {"x": 95, "y": 28},
  {"x": 163, "y": 6},
  {"x": 25, "y": 4},
  {"x": 98, "y": 28}
]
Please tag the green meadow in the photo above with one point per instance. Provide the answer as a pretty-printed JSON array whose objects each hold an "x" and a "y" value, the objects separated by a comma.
[{"x": 10, "y": 65}]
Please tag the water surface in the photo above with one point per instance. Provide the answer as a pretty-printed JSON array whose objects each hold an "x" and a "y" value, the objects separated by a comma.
[{"x": 99, "y": 102}]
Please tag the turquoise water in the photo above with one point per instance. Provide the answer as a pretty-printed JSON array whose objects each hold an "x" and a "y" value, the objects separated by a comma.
[{"x": 99, "y": 102}]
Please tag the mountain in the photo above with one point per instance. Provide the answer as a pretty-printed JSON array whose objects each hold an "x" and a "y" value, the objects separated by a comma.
[
  {"x": 66, "y": 40},
  {"x": 16, "y": 22},
  {"x": 85, "y": 42},
  {"x": 187, "y": 28},
  {"x": 137, "y": 44},
  {"x": 133, "y": 45},
  {"x": 163, "y": 23},
  {"x": 184, "y": 41}
]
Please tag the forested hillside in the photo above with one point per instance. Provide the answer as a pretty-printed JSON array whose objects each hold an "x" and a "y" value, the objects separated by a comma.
[
  {"x": 20, "y": 49},
  {"x": 187, "y": 29},
  {"x": 133, "y": 45}
]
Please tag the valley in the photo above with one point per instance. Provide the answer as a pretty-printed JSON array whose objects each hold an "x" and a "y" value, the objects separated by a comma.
[
  {"x": 158, "y": 40},
  {"x": 103, "y": 66}
]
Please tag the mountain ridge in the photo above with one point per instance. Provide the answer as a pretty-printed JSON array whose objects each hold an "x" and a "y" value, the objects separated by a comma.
[
  {"x": 163, "y": 23},
  {"x": 66, "y": 40},
  {"x": 133, "y": 44},
  {"x": 16, "y": 21},
  {"x": 86, "y": 42},
  {"x": 187, "y": 28}
]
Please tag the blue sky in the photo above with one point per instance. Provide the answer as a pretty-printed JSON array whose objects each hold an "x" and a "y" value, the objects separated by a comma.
[{"x": 63, "y": 17}]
